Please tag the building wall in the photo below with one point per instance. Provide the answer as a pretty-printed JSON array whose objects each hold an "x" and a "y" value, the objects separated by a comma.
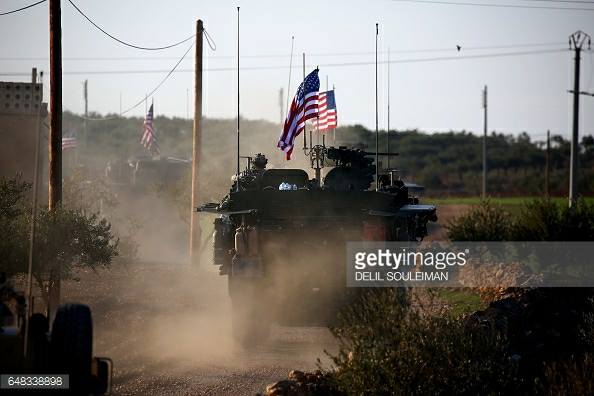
[{"x": 22, "y": 117}]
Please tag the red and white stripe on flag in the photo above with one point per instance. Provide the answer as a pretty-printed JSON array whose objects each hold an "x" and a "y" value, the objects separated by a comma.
[
  {"x": 68, "y": 142},
  {"x": 327, "y": 111},
  {"x": 303, "y": 107}
]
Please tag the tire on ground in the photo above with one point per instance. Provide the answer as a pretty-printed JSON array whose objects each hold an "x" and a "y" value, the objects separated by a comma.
[{"x": 72, "y": 345}]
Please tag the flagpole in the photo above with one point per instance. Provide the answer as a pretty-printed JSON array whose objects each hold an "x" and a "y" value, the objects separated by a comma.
[
  {"x": 334, "y": 129},
  {"x": 305, "y": 122},
  {"x": 237, "y": 176},
  {"x": 388, "y": 137},
  {"x": 290, "y": 69},
  {"x": 376, "y": 117}
]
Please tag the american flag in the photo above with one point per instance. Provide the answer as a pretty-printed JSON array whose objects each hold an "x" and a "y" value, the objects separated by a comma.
[
  {"x": 327, "y": 118},
  {"x": 149, "y": 138},
  {"x": 68, "y": 142},
  {"x": 303, "y": 108}
]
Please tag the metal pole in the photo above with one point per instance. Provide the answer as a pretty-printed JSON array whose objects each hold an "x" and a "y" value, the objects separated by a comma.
[
  {"x": 280, "y": 104},
  {"x": 195, "y": 234},
  {"x": 55, "y": 132},
  {"x": 548, "y": 165},
  {"x": 289, "y": 84},
  {"x": 388, "y": 135},
  {"x": 376, "y": 116},
  {"x": 305, "y": 122},
  {"x": 485, "y": 106},
  {"x": 86, "y": 98},
  {"x": 237, "y": 181},
  {"x": 33, "y": 222}
]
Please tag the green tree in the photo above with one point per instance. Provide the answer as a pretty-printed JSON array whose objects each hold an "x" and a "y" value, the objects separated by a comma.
[{"x": 66, "y": 239}]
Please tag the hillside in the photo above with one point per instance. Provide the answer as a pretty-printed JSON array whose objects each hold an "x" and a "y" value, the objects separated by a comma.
[{"x": 446, "y": 163}]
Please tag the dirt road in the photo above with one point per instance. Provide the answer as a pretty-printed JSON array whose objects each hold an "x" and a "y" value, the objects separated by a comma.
[{"x": 167, "y": 329}]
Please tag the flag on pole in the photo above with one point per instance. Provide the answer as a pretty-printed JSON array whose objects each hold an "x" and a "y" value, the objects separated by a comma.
[
  {"x": 303, "y": 107},
  {"x": 149, "y": 138},
  {"x": 327, "y": 118},
  {"x": 68, "y": 142}
]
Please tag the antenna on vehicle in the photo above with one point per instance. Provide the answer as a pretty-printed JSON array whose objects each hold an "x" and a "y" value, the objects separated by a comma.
[
  {"x": 290, "y": 69},
  {"x": 376, "y": 119},
  {"x": 237, "y": 184},
  {"x": 305, "y": 122}
]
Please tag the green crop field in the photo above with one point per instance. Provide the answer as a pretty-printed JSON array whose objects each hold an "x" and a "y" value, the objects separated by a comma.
[{"x": 505, "y": 201}]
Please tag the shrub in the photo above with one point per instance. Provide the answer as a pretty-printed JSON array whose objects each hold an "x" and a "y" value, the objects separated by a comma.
[
  {"x": 545, "y": 220},
  {"x": 387, "y": 348},
  {"x": 484, "y": 222},
  {"x": 539, "y": 220}
]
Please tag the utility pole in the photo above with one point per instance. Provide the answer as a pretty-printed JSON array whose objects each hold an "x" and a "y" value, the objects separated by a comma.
[
  {"x": 484, "y": 190},
  {"x": 55, "y": 138},
  {"x": 548, "y": 166},
  {"x": 195, "y": 234},
  {"x": 576, "y": 42},
  {"x": 55, "y": 132}
]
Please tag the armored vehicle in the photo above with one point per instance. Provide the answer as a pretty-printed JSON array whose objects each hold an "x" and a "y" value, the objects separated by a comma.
[
  {"x": 280, "y": 237},
  {"x": 142, "y": 173}
]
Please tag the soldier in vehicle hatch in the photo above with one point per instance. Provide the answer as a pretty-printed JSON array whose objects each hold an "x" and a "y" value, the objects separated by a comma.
[{"x": 259, "y": 163}]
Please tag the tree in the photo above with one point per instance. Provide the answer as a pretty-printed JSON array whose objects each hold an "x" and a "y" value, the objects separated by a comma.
[
  {"x": 65, "y": 238},
  {"x": 13, "y": 243}
]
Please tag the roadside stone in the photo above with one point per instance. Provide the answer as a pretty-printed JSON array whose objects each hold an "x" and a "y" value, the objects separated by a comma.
[{"x": 304, "y": 384}]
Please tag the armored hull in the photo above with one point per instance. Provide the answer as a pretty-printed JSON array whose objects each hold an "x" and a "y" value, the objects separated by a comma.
[{"x": 284, "y": 250}]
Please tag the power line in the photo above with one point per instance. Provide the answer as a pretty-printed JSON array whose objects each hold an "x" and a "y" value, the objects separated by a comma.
[
  {"x": 564, "y": 1},
  {"x": 151, "y": 93},
  {"x": 124, "y": 42},
  {"x": 343, "y": 64},
  {"x": 460, "y": 3},
  {"x": 22, "y": 8},
  {"x": 263, "y": 56}
]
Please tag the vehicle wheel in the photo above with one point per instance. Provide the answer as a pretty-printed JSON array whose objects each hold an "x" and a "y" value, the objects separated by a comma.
[
  {"x": 71, "y": 345},
  {"x": 249, "y": 318},
  {"x": 38, "y": 342}
]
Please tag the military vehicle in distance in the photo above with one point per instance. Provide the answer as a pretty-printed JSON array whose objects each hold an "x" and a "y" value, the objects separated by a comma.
[
  {"x": 280, "y": 237},
  {"x": 142, "y": 173}
]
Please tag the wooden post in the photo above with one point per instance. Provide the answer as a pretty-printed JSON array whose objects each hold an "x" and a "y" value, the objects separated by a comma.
[
  {"x": 195, "y": 234},
  {"x": 55, "y": 132}
]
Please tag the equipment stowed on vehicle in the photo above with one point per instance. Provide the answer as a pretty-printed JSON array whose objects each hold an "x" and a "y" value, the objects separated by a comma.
[{"x": 284, "y": 249}]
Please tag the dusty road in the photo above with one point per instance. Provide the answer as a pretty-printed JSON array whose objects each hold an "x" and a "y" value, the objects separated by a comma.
[{"x": 167, "y": 329}]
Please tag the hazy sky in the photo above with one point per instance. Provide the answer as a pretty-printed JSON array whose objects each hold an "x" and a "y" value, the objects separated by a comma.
[{"x": 526, "y": 93}]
